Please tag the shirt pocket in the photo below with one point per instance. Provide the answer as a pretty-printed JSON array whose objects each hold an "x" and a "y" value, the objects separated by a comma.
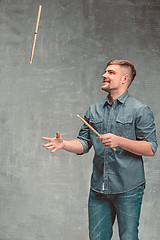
[
  {"x": 124, "y": 126},
  {"x": 96, "y": 123}
]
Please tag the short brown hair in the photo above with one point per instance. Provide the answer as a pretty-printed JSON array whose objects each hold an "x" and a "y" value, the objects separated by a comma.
[{"x": 124, "y": 63}]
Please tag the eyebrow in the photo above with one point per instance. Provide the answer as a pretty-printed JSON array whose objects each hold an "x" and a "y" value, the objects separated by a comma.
[{"x": 110, "y": 70}]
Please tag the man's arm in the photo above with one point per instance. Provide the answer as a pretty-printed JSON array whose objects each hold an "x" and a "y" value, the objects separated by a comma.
[
  {"x": 145, "y": 143},
  {"x": 58, "y": 143},
  {"x": 141, "y": 148}
]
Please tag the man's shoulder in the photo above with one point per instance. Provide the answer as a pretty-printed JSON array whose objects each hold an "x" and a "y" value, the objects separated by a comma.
[
  {"x": 135, "y": 103},
  {"x": 133, "y": 106}
]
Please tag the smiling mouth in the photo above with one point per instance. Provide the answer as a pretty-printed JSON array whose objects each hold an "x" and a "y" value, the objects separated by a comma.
[{"x": 105, "y": 81}]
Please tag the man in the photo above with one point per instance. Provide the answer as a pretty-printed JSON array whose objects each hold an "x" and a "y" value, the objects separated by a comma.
[{"x": 118, "y": 180}]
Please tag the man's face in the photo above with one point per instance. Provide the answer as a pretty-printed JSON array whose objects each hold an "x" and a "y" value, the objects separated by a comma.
[{"x": 112, "y": 78}]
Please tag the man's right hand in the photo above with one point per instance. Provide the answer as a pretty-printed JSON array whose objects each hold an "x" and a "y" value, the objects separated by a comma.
[{"x": 56, "y": 143}]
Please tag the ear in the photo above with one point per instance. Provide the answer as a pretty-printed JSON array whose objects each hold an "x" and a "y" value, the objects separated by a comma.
[{"x": 125, "y": 79}]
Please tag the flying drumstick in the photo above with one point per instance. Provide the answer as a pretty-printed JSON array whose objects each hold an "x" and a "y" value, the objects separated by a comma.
[
  {"x": 99, "y": 135},
  {"x": 35, "y": 34}
]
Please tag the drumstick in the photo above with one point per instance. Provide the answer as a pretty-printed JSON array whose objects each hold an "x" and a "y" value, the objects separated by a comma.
[
  {"x": 35, "y": 34},
  {"x": 99, "y": 135}
]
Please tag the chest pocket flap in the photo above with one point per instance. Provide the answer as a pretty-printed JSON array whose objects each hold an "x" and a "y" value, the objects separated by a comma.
[
  {"x": 96, "y": 123},
  {"x": 124, "y": 126},
  {"x": 124, "y": 120}
]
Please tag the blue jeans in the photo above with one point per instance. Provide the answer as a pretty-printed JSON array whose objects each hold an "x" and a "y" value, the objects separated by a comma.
[{"x": 103, "y": 208}]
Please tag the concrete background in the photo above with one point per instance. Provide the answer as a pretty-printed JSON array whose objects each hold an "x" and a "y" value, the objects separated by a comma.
[{"x": 44, "y": 196}]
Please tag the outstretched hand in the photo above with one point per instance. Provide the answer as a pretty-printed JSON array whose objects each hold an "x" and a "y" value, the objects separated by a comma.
[{"x": 55, "y": 143}]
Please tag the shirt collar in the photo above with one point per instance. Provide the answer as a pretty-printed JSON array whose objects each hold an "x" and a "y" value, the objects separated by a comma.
[{"x": 121, "y": 99}]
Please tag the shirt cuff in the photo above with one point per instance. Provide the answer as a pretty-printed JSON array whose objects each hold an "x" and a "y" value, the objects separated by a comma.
[
  {"x": 85, "y": 147},
  {"x": 154, "y": 146}
]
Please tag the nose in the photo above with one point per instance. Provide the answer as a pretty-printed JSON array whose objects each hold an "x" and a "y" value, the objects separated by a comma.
[{"x": 104, "y": 75}]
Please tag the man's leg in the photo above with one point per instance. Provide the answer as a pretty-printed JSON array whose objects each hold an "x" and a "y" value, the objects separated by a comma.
[
  {"x": 128, "y": 208},
  {"x": 101, "y": 216}
]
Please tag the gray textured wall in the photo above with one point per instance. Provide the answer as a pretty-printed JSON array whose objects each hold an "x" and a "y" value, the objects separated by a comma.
[{"x": 44, "y": 196}]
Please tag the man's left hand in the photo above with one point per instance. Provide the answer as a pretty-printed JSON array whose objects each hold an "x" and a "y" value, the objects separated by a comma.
[{"x": 109, "y": 140}]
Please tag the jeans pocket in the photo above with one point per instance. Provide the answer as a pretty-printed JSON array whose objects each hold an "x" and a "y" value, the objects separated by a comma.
[
  {"x": 134, "y": 194},
  {"x": 141, "y": 191}
]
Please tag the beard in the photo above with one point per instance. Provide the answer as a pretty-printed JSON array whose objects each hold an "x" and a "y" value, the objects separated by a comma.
[
  {"x": 108, "y": 88},
  {"x": 105, "y": 88}
]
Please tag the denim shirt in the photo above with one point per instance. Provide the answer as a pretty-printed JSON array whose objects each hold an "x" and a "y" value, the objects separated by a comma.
[{"x": 117, "y": 171}]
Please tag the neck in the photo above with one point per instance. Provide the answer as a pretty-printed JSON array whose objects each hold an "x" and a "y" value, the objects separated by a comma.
[{"x": 114, "y": 95}]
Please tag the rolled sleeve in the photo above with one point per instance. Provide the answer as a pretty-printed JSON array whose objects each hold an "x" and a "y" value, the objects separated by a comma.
[
  {"x": 84, "y": 136},
  {"x": 154, "y": 146},
  {"x": 84, "y": 144},
  {"x": 145, "y": 127}
]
